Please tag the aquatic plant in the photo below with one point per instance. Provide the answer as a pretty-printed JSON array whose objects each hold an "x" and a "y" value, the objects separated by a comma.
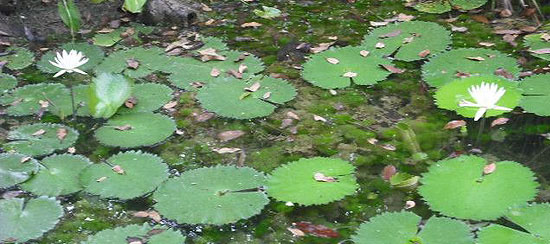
[
  {"x": 22, "y": 220},
  {"x": 125, "y": 175},
  {"x": 536, "y": 94},
  {"x": 115, "y": 36},
  {"x": 403, "y": 227},
  {"x": 93, "y": 54},
  {"x": 107, "y": 93},
  {"x": 7, "y": 82},
  {"x": 408, "y": 41},
  {"x": 217, "y": 195},
  {"x": 16, "y": 168},
  {"x": 468, "y": 187},
  {"x": 255, "y": 97},
  {"x": 479, "y": 96},
  {"x": 135, "y": 62},
  {"x": 38, "y": 98},
  {"x": 137, "y": 234},
  {"x": 539, "y": 45},
  {"x": 17, "y": 58},
  {"x": 147, "y": 97},
  {"x": 442, "y": 6},
  {"x": 312, "y": 181},
  {"x": 339, "y": 67},
  {"x": 40, "y": 139},
  {"x": 467, "y": 62},
  {"x": 70, "y": 15}
]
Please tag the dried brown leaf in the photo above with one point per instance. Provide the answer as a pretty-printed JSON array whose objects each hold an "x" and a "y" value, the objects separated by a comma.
[
  {"x": 388, "y": 172},
  {"x": 251, "y": 24},
  {"x": 61, "y": 133},
  {"x": 424, "y": 53},
  {"x": 453, "y": 124},
  {"x": 320, "y": 177},
  {"x": 123, "y": 127},
  {"x": 364, "y": 53},
  {"x": 118, "y": 169},
  {"x": 489, "y": 168},
  {"x": 392, "y": 69},
  {"x": 132, "y": 63},
  {"x": 319, "y": 118},
  {"x": 39, "y": 132},
  {"x": 230, "y": 135},
  {"x": 499, "y": 121},
  {"x": 170, "y": 105},
  {"x": 254, "y": 87},
  {"x": 333, "y": 60}
]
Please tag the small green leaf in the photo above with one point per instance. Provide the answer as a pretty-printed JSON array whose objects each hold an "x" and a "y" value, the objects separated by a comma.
[
  {"x": 107, "y": 93},
  {"x": 267, "y": 12},
  {"x": 134, "y": 6},
  {"x": 69, "y": 14}
]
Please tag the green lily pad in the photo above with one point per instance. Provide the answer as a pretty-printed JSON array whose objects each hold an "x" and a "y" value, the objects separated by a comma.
[
  {"x": 452, "y": 94},
  {"x": 112, "y": 38},
  {"x": 218, "y": 195},
  {"x": 94, "y": 54},
  {"x": 107, "y": 93},
  {"x": 466, "y": 62},
  {"x": 59, "y": 175},
  {"x": 135, "y": 130},
  {"x": 532, "y": 218},
  {"x": 402, "y": 227},
  {"x": 188, "y": 73},
  {"x": 149, "y": 97},
  {"x": 148, "y": 60},
  {"x": 458, "y": 187},
  {"x": 442, "y": 6},
  {"x": 229, "y": 97},
  {"x": 16, "y": 168},
  {"x": 408, "y": 40},
  {"x": 26, "y": 100},
  {"x": 536, "y": 94},
  {"x": 7, "y": 82},
  {"x": 143, "y": 233},
  {"x": 20, "y": 59},
  {"x": 21, "y": 220},
  {"x": 40, "y": 139},
  {"x": 141, "y": 173},
  {"x": 295, "y": 182},
  {"x": 213, "y": 42},
  {"x": 538, "y": 46}
]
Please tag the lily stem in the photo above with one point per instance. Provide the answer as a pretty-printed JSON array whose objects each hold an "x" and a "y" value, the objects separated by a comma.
[{"x": 480, "y": 131}]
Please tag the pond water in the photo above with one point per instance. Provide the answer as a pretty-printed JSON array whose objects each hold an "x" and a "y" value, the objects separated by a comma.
[{"x": 394, "y": 122}]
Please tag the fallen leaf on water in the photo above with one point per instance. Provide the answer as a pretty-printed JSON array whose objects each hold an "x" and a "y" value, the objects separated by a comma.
[
  {"x": 105, "y": 31},
  {"x": 380, "y": 45},
  {"x": 458, "y": 29},
  {"x": 242, "y": 68},
  {"x": 316, "y": 230},
  {"x": 333, "y": 60},
  {"x": 296, "y": 232},
  {"x": 453, "y": 124},
  {"x": 541, "y": 51},
  {"x": 507, "y": 32},
  {"x": 61, "y": 133},
  {"x": 254, "y": 87},
  {"x": 44, "y": 104},
  {"x": 333, "y": 38},
  {"x": 528, "y": 29},
  {"x": 372, "y": 141},
  {"x": 349, "y": 74},
  {"x": 388, "y": 172},
  {"x": 451, "y": 20},
  {"x": 333, "y": 92},
  {"x": 292, "y": 115},
  {"x": 319, "y": 118},
  {"x": 489, "y": 168},
  {"x": 486, "y": 44},
  {"x": 505, "y": 13},
  {"x": 225, "y": 150},
  {"x": 170, "y": 105},
  {"x": 364, "y": 53},
  {"x": 424, "y": 53},
  {"x": 476, "y": 58},
  {"x": 209, "y": 22},
  {"x": 388, "y": 147},
  {"x": 130, "y": 102},
  {"x": 132, "y": 63},
  {"x": 100, "y": 179},
  {"x": 391, "y": 34},
  {"x": 154, "y": 215},
  {"x": 251, "y": 24},
  {"x": 322, "y": 178},
  {"x": 545, "y": 37},
  {"x": 409, "y": 204},
  {"x": 123, "y": 127},
  {"x": 392, "y": 69},
  {"x": 205, "y": 8},
  {"x": 511, "y": 39},
  {"x": 404, "y": 18},
  {"x": 204, "y": 116},
  {"x": 215, "y": 72},
  {"x": 504, "y": 73},
  {"x": 118, "y": 169},
  {"x": 266, "y": 95},
  {"x": 39, "y": 132},
  {"x": 230, "y": 135},
  {"x": 499, "y": 121},
  {"x": 286, "y": 123},
  {"x": 480, "y": 18},
  {"x": 321, "y": 47},
  {"x": 210, "y": 54}
]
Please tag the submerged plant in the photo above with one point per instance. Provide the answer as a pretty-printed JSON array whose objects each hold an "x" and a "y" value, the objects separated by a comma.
[{"x": 137, "y": 234}]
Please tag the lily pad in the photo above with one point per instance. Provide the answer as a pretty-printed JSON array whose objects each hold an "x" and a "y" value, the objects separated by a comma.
[
  {"x": 26, "y": 100},
  {"x": 112, "y": 38},
  {"x": 21, "y": 220},
  {"x": 466, "y": 62},
  {"x": 135, "y": 62},
  {"x": 190, "y": 73},
  {"x": 149, "y": 97},
  {"x": 351, "y": 67},
  {"x": 539, "y": 45},
  {"x": 107, "y": 93},
  {"x": 125, "y": 175},
  {"x": 217, "y": 195},
  {"x": 410, "y": 41},
  {"x": 40, "y": 139},
  {"x": 16, "y": 168},
  {"x": 402, "y": 227},
  {"x": 458, "y": 187},
  {"x": 442, "y": 6},
  {"x": 532, "y": 218},
  {"x": 536, "y": 94},
  {"x": 452, "y": 94},
  {"x": 232, "y": 98},
  {"x": 59, "y": 175},
  {"x": 7, "y": 82},
  {"x": 19, "y": 58},
  {"x": 142, "y": 233},
  {"x": 94, "y": 54},
  {"x": 213, "y": 42},
  {"x": 298, "y": 181},
  {"x": 135, "y": 130}
]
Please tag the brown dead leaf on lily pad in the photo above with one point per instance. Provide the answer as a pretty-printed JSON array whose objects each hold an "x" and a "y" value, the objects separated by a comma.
[
  {"x": 321, "y": 47},
  {"x": 130, "y": 102},
  {"x": 364, "y": 53},
  {"x": 391, "y": 34},
  {"x": 61, "y": 133},
  {"x": 132, "y": 63},
  {"x": 380, "y": 45},
  {"x": 215, "y": 72},
  {"x": 476, "y": 58},
  {"x": 123, "y": 127},
  {"x": 489, "y": 168},
  {"x": 424, "y": 53},
  {"x": 392, "y": 69},
  {"x": 210, "y": 54},
  {"x": 350, "y": 74},
  {"x": 333, "y": 60},
  {"x": 320, "y": 177},
  {"x": 39, "y": 132},
  {"x": 118, "y": 169},
  {"x": 504, "y": 73},
  {"x": 254, "y": 87}
]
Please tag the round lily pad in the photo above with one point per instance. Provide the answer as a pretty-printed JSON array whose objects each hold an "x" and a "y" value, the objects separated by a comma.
[
  {"x": 18, "y": 58},
  {"x": 442, "y": 6},
  {"x": 59, "y": 175},
  {"x": 536, "y": 94},
  {"x": 93, "y": 53},
  {"x": 217, "y": 195},
  {"x": 7, "y": 82},
  {"x": 27, "y": 100},
  {"x": 135, "y": 130},
  {"x": 339, "y": 67},
  {"x": 149, "y": 97},
  {"x": 237, "y": 99},
  {"x": 466, "y": 62},
  {"x": 40, "y": 139},
  {"x": 137, "y": 233},
  {"x": 402, "y": 227},
  {"x": 302, "y": 181},
  {"x": 410, "y": 41},
  {"x": 21, "y": 220},
  {"x": 16, "y": 168},
  {"x": 451, "y": 95},
  {"x": 190, "y": 73},
  {"x": 459, "y": 188},
  {"x": 125, "y": 175},
  {"x": 135, "y": 62},
  {"x": 539, "y": 45}
]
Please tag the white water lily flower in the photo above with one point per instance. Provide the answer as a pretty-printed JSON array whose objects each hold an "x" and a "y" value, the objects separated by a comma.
[
  {"x": 486, "y": 97},
  {"x": 69, "y": 62}
]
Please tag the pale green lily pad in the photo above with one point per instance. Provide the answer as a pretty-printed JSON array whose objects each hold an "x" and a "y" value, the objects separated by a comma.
[
  {"x": 44, "y": 141},
  {"x": 26, "y": 100},
  {"x": 7, "y": 82},
  {"x": 537, "y": 44},
  {"x": 442, "y": 6},
  {"x": 218, "y": 195},
  {"x": 20, "y": 59},
  {"x": 21, "y": 220},
  {"x": 16, "y": 168},
  {"x": 267, "y": 12},
  {"x": 144, "y": 129},
  {"x": 536, "y": 94},
  {"x": 94, "y": 54},
  {"x": 149, "y": 60},
  {"x": 107, "y": 93},
  {"x": 143, "y": 233},
  {"x": 59, "y": 175},
  {"x": 142, "y": 173}
]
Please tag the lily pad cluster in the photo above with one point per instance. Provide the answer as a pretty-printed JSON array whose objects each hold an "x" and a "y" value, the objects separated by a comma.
[{"x": 442, "y": 6}]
